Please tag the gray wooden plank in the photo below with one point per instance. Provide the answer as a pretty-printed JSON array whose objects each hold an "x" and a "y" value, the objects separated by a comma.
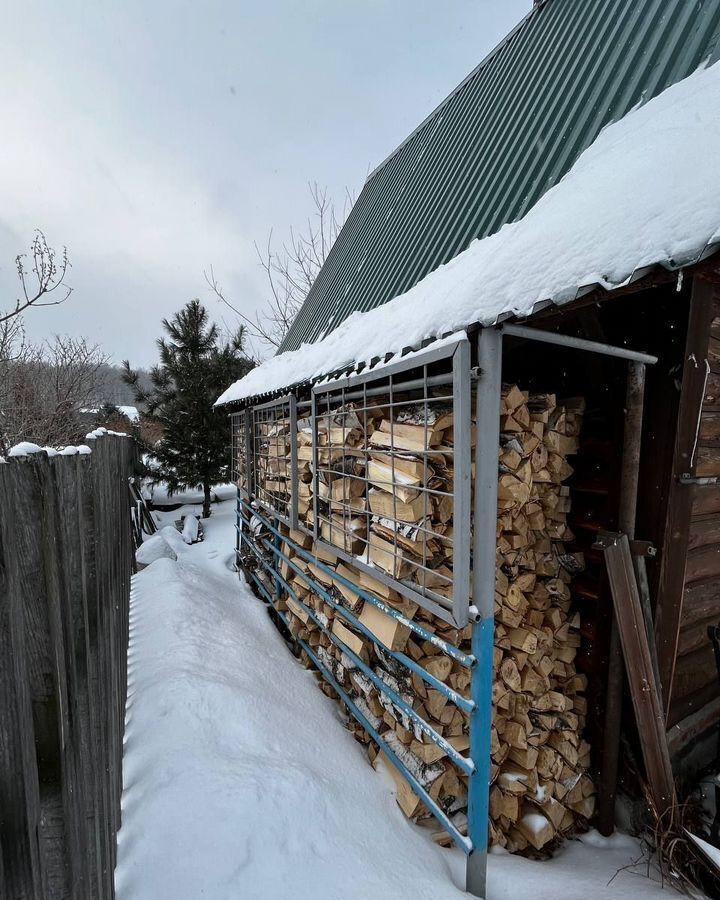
[{"x": 19, "y": 790}]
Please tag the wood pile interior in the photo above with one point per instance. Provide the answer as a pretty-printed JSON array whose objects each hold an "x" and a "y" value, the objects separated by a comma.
[{"x": 376, "y": 516}]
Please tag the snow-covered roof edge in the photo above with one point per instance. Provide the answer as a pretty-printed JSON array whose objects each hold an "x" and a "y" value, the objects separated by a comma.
[{"x": 645, "y": 193}]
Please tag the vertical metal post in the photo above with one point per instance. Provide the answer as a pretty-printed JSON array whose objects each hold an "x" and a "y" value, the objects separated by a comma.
[
  {"x": 238, "y": 522},
  {"x": 484, "y": 548},
  {"x": 275, "y": 562},
  {"x": 634, "y": 403},
  {"x": 250, "y": 448},
  {"x": 462, "y": 484},
  {"x": 293, "y": 511},
  {"x": 314, "y": 468}
]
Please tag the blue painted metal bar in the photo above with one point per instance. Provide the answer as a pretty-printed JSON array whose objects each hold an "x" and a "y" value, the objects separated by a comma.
[
  {"x": 461, "y": 702},
  {"x": 278, "y": 587},
  {"x": 435, "y": 683},
  {"x": 460, "y": 839},
  {"x": 238, "y": 511},
  {"x": 258, "y": 582},
  {"x": 464, "y": 659},
  {"x": 465, "y": 764},
  {"x": 485, "y": 517}
]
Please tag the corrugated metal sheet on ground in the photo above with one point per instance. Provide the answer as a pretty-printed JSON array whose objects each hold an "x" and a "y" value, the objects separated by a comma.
[{"x": 510, "y": 131}]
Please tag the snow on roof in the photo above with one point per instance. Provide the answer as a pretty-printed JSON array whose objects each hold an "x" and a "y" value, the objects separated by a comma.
[
  {"x": 646, "y": 192},
  {"x": 131, "y": 412}
]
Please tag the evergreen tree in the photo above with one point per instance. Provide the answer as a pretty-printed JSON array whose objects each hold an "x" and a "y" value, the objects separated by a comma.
[{"x": 195, "y": 368}]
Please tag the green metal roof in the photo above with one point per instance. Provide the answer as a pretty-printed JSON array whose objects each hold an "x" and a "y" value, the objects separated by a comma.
[{"x": 505, "y": 135}]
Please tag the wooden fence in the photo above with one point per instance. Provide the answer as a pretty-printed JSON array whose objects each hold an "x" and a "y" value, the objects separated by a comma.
[{"x": 66, "y": 558}]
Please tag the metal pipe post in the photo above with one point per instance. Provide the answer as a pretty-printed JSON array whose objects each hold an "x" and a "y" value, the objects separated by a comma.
[
  {"x": 484, "y": 544},
  {"x": 576, "y": 343}
]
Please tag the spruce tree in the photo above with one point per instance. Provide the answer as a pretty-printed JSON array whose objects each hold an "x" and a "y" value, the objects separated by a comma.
[{"x": 195, "y": 367}]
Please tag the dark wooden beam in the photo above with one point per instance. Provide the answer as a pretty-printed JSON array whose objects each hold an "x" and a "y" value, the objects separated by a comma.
[
  {"x": 693, "y": 726},
  {"x": 637, "y": 654},
  {"x": 708, "y": 270}
]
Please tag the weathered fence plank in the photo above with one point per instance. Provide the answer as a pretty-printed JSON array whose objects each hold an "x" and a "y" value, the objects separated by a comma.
[
  {"x": 19, "y": 789},
  {"x": 65, "y": 565}
]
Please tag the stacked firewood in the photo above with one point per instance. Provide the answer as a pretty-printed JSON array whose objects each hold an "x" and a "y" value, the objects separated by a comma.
[
  {"x": 540, "y": 785},
  {"x": 371, "y": 489},
  {"x": 385, "y": 488},
  {"x": 272, "y": 455}
]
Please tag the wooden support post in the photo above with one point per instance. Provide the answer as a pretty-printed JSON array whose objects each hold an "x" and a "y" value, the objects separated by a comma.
[
  {"x": 644, "y": 689},
  {"x": 634, "y": 403}
]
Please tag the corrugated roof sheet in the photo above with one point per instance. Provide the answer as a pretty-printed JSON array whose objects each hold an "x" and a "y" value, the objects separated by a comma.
[
  {"x": 509, "y": 132},
  {"x": 556, "y": 252}
]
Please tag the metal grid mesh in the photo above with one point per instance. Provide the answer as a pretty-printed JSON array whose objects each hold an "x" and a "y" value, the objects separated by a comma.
[
  {"x": 304, "y": 504},
  {"x": 271, "y": 442},
  {"x": 385, "y": 473},
  {"x": 239, "y": 462}
]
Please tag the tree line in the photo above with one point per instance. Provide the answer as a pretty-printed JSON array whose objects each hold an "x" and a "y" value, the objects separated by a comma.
[{"x": 50, "y": 391}]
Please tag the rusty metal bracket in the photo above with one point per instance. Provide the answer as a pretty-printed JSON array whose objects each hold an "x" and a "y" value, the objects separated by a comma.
[
  {"x": 688, "y": 478},
  {"x": 637, "y": 548}
]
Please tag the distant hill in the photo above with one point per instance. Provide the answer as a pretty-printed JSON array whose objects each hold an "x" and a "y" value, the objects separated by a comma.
[{"x": 113, "y": 390}]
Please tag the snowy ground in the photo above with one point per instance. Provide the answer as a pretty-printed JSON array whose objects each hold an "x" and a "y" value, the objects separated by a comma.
[{"x": 240, "y": 781}]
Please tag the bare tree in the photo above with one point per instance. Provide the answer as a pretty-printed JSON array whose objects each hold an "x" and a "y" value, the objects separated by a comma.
[
  {"x": 44, "y": 389},
  {"x": 39, "y": 285},
  {"x": 290, "y": 270}
]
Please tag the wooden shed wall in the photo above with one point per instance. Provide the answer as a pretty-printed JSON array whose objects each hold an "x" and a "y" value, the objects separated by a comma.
[{"x": 688, "y": 595}]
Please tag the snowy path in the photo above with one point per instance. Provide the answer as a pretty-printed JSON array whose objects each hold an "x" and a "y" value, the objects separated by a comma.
[{"x": 240, "y": 780}]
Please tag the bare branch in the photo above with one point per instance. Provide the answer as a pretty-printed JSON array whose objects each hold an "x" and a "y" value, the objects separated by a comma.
[
  {"x": 46, "y": 276},
  {"x": 45, "y": 387},
  {"x": 290, "y": 272}
]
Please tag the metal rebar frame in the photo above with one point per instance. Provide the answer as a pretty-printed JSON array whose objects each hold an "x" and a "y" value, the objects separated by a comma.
[
  {"x": 263, "y": 547},
  {"x": 240, "y": 455},
  {"x": 273, "y": 457},
  {"x": 266, "y": 551},
  {"x": 398, "y": 545}
]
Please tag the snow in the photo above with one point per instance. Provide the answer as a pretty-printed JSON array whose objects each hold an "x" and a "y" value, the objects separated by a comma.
[
  {"x": 99, "y": 432},
  {"x": 155, "y": 547},
  {"x": 646, "y": 191},
  {"x": 240, "y": 780},
  {"x": 130, "y": 412},
  {"x": 27, "y": 448},
  {"x": 534, "y": 822},
  {"x": 158, "y": 493},
  {"x": 24, "y": 448},
  {"x": 712, "y": 853},
  {"x": 191, "y": 528},
  {"x": 172, "y": 536}
]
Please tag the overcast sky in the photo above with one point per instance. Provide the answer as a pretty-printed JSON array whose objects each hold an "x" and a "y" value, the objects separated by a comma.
[{"x": 156, "y": 138}]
